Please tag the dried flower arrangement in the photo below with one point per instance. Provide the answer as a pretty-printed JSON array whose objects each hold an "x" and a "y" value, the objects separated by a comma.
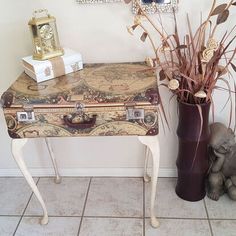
[{"x": 192, "y": 68}]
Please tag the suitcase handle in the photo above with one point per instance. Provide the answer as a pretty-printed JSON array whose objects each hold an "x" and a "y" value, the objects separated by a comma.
[{"x": 85, "y": 125}]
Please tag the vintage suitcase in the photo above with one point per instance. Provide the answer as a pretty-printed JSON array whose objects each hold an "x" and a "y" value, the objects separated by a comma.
[{"x": 100, "y": 100}]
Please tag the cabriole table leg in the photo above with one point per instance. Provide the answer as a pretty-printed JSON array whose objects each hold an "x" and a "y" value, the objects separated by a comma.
[
  {"x": 57, "y": 175},
  {"x": 146, "y": 176},
  {"x": 16, "y": 146},
  {"x": 152, "y": 143}
]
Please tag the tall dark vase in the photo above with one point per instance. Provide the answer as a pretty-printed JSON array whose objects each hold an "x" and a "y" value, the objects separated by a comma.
[{"x": 192, "y": 161}]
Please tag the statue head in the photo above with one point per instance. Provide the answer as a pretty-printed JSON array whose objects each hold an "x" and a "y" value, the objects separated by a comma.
[{"x": 222, "y": 138}]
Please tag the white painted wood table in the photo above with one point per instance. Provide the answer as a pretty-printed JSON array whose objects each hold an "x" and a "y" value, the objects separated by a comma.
[
  {"x": 113, "y": 99},
  {"x": 152, "y": 150}
]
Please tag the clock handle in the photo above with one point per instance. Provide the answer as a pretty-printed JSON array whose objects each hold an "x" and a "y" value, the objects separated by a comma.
[{"x": 40, "y": 11}]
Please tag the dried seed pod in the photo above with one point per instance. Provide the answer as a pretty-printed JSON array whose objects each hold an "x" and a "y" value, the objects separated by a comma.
[
  {"x": 149, "y": 61},
  {"x": 200, "y": 94},
  {"x": 130, "y": 30},
  {"x": 222, "y": 70},
  {"x": 173, "y": 84},
  {"x": 207, "y": 54},
  {"x": 212, "y": 44},
  {"x": 163, "y": 49},
  {"x": 137, "y": 19},
  {"x": 164, "y": 46}
]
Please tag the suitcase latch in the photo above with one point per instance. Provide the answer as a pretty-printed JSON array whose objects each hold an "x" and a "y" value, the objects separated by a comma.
[
  {"x": 133, "y": 113},
  {"x": 27, "y": 115}
]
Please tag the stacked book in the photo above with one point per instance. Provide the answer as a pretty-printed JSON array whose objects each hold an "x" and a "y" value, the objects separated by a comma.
[{"x": 41, "y": 71}]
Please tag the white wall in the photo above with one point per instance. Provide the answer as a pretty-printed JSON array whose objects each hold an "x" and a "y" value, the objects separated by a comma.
[{"x": 99, "y": 33}]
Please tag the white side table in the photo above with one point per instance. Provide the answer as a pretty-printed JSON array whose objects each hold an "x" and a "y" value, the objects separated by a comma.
[{"x": 152, "y": 149}]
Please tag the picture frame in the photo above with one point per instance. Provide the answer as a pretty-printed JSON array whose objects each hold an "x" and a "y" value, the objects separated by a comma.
[
  {"x": 96, "y": 1},
  {"x": 151, "y": 7}
]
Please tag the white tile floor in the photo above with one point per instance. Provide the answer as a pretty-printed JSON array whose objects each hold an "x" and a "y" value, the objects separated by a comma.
[{"x": 109, "y": 207}]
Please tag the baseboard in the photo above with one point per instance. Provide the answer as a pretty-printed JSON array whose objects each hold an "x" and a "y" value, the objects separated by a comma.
[{"x": 116, "y": 172}]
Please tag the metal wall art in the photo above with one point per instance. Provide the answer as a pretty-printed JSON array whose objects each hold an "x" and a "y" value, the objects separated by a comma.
[
  {"x": 96, "y": 1},
  {"x": 153, "y": 6}
]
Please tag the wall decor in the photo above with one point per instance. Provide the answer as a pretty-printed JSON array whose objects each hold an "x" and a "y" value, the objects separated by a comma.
[
  {"x": 96, "y": 1},
  {"x": 153, "y": 6}
]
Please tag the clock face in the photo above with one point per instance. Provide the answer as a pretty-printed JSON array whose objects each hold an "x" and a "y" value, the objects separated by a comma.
[{"x": 46, "y": 32}]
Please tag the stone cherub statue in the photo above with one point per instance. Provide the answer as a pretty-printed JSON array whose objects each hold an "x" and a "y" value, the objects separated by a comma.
[{"x": 222, "y": 176}]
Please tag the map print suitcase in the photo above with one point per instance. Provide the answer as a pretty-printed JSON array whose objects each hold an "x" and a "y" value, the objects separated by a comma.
[{"x": 100, "y": 100}]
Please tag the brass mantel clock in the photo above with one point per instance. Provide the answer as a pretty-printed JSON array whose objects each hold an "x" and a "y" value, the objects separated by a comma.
[{"x": 45, "y": 36}]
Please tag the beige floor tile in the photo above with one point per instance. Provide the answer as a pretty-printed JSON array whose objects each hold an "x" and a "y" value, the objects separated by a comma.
[
  {"x": 178, "y": 227},
  {"x": 111, "y": 227},
  {"x": 64, "y": 199},
  {"x": 223, "y": 227},
  {"x": 57, "y": 226},
  {"x": 118, "y": 197},
  {"x": 168, "y": 204},
  {"x": 8, "y": 225},
  {"x": 224, "y": 208},
  {"x": 14, "y": 195}
]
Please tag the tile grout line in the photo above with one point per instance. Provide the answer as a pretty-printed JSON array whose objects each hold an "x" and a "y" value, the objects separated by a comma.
[
  {"x": 85, "y": 202},
  {"x": 125, "y": 217},
  {"x": 10, "y": 215},
  {"x": 120, "y": 217},
  {"x": 32, "y": 193},
  {"x": 144, "y": 224},
  {"x": 176, "y": 218},
  {"x": 83, "y": 176},
  {"x": 77, "y": 216},
  {"x": 208, "y": 219},
  {"x": 94, "y": 177}
]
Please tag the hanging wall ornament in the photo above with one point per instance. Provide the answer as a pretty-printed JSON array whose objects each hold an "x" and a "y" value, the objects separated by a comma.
[
  {"x": 155, "y": 6},
  {"x": 96, "y": 1}
]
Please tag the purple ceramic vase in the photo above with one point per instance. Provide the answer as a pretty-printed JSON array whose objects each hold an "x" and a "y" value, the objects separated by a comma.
[{"x": 192, "y": 161}]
